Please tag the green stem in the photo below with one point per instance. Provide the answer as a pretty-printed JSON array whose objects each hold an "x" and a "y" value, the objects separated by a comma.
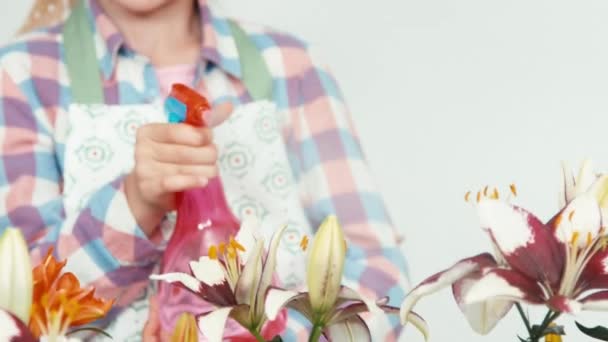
[
  {"x": 315, "y": 335},
  {"x": 539, "y": 333},
  {"x": 257, "y": 336},
  {"x": 524, "y": 318}
]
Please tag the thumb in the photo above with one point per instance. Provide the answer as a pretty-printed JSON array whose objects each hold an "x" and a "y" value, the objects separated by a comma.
[{"x": 219, "y": 114}]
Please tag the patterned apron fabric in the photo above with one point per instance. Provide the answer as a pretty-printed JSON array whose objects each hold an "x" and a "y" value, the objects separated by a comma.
[{"x": 253, "y": 166}]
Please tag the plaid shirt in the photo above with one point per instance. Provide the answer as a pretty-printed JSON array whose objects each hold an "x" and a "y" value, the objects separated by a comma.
[{"x": 104, "y": 238}]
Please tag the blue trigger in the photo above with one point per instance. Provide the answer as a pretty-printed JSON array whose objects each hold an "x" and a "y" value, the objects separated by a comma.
[{"x": 175, "y": 110}]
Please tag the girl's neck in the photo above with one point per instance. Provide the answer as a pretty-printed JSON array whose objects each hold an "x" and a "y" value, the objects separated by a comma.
[{"x": 167, "y": 35}]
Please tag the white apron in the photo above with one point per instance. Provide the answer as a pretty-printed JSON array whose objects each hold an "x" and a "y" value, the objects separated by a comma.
[{"x": 254, "y": 169}]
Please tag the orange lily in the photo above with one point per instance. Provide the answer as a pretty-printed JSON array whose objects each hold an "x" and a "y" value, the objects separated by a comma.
[{"x": 59, "y": 302}]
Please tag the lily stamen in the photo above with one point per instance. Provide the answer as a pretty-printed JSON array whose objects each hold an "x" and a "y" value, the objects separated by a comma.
[
  {"x": 304, "y": 243},
  {"x": 513, "y": 189}
]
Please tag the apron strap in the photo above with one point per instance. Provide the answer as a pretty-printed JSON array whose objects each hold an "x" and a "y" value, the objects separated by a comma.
[
  {"x": 83, "y": 67},
  {"x": 80, "y": 58},
  {"x": 255, "y": 73}
]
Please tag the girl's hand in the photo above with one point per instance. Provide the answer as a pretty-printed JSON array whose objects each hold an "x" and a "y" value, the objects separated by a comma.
[
  {"x": 152, "y": 331},
  {"x": 170, "y": 158}
]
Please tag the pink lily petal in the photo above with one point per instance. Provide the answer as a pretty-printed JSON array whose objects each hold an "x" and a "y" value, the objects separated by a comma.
[
  {"x": 582, "y": 217},
  {"x": 269, "y": 267},
  {"x": 352, "y": 330},
  {"x": 247, "y": 236},
  {"x": 247, "y": 285},
  {"x": 277, "y": 299},
  {"x": 13, "y": 329},
  {"x": 350, "y": 294},
  {"x": 419, "y": 323},
  {"x": 212, "y": 324},
  {"x": 220, "y": 295},
  {"x": 482, "y": 316},
  {"x": 444, "y": 278},
  {"x": 207, "y": 270},
  {"x": 596, "y": 302},
  {"x": 568, "y": 185},
  {"x": 526, "y": 243},
  {"x": 188, "y": 281},
  {"x": 564, "y": 304},
  {"x": 357, "y": 307},
  {"x": 595, "y": 274},
  {"x": 506, "y": 285}
]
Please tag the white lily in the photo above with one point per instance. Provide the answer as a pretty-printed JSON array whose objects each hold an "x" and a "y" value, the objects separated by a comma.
[
  {"x": 333, "y": 309},
  {"x": 585, "y": 181},
  {"x": 234, "y": 277},
  {"x": 16, "y": 284}
]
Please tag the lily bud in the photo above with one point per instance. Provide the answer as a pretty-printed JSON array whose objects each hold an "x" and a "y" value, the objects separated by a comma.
[
  {"x": 326, "y": 265},
  {"x": 15, "y": 274}
]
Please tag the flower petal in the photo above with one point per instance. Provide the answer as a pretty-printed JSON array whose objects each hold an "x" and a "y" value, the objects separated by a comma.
[
  {"x": 568, "y": 184},
  {"x": 357, "y": 307},
  {"x": 186, "y": 280},
  {"x": 444, "y": 278},
  {"x": 586, "y": 177},
  {"x": 270, "y": 265},
  {"x": 525, "y": 242},
  {"x": 208, "y": 271},
  {"x": 595, "y": 274},
  {"x": 581, "y": 218},
  {"x": 564, "y": 304},
  {"x": 419, "y": 323},
  {"x": 350, "y": 294},
  {"x": 213, "y": 323},
  {"x": 277, "y": 299},
  {"x": 506, "y": 285},
  {"x": 13, "y": 329},
  {"x": 354, "y": 330},
  {"x": 247, "y": 236},
  {"x": 482, "y": 316},
  {"x": 596, "y": 302},
  {"x": 249, "y": 280},
  {"x": 16, "y": 283}
]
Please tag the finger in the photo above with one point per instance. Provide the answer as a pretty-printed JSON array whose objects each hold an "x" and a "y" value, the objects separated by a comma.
[
  {"x": 203, "y": 171},
  {"x": 180, "y": 134},
  {"x": 219, "y": 114},
  {"x": 178, "y": 183},
  {"x": 152, "y": 327},
  {"x": 183, "y": 154}
]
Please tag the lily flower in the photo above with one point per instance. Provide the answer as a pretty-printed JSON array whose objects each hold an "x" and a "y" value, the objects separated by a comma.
[
  {"x": 234, "y": 277},
  {"x": 333, "y": 309},
  {"x": 59, "y": 302},
  {"x": 15, "y": 274},
  {"x": 560, "y": 264},
  {"x": 586, "y": 181}
]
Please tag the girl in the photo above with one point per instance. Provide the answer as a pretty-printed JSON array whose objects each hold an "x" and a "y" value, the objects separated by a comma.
[{"x": 90, "y": 167}]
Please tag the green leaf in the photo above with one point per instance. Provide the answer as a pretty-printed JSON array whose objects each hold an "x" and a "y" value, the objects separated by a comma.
[
  {"x": 598, "y": 332},
  {"x": 94, "y": 329},
  {"x": 277, "y": 339}
]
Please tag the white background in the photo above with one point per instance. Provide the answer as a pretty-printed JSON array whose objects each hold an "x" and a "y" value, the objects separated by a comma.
[{"x": 449, "y": 96}]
